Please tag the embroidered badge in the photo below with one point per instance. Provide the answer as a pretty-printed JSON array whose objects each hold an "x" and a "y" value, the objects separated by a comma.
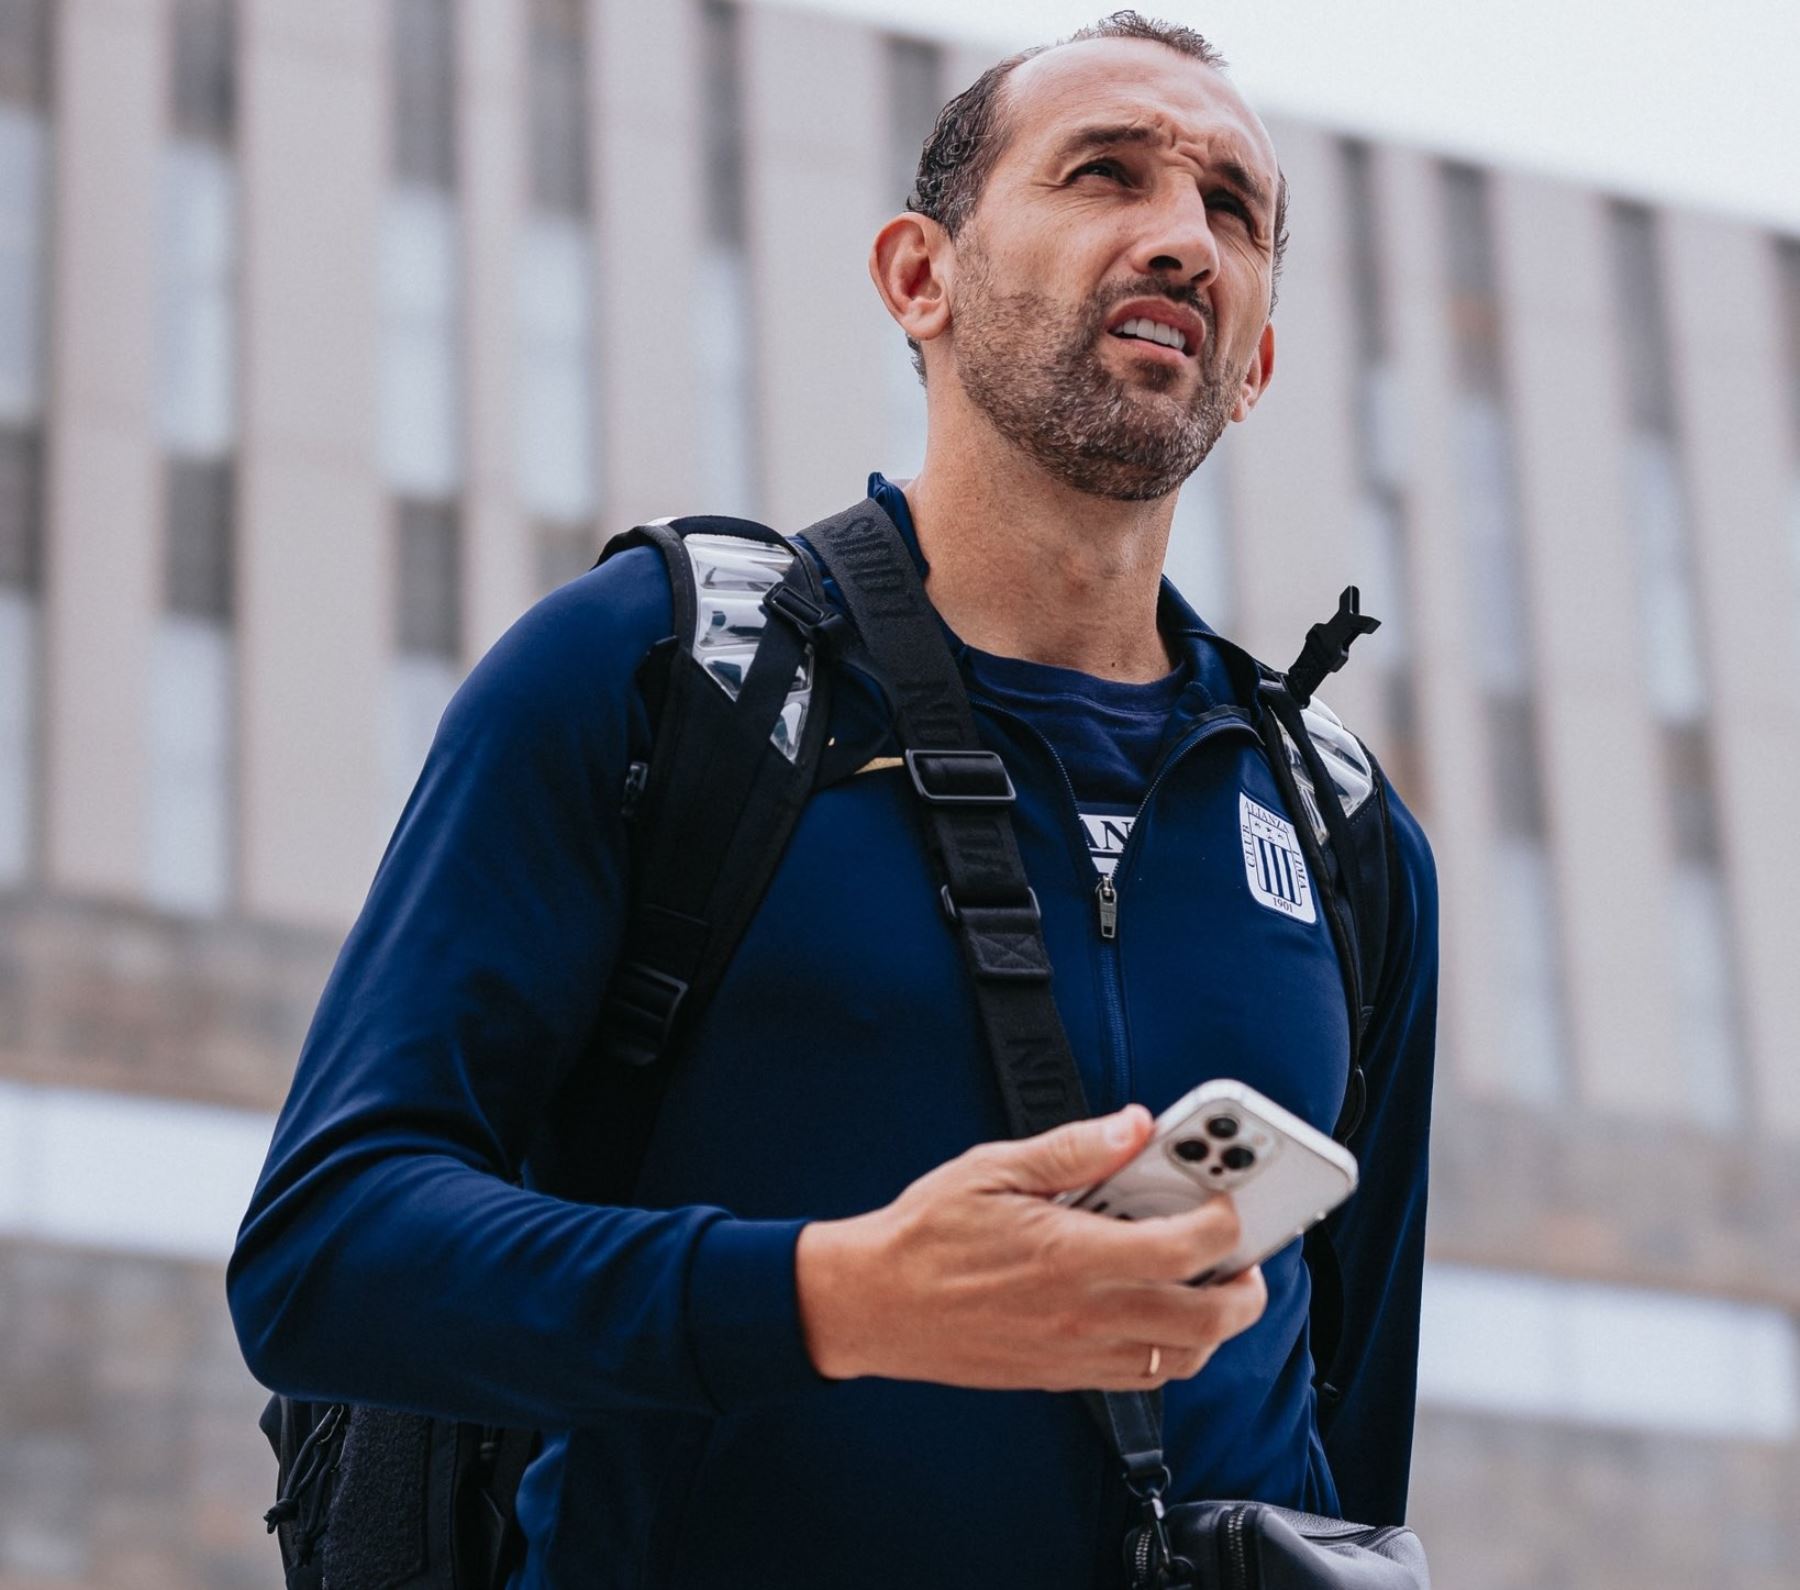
[{"x": 1274, "y": 862}]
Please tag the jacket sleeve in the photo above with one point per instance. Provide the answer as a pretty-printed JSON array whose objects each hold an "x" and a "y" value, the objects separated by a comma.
[
  {"x": 1379, "y": 1234},
  {"x": 387, "y": 1257}
]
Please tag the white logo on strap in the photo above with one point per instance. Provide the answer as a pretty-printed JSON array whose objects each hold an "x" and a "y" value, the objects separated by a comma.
[{"x": 1274, "y": 862}]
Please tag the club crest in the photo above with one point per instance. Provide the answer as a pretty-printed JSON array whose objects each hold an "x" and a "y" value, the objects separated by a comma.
[{"x": 1274, "y": 862}]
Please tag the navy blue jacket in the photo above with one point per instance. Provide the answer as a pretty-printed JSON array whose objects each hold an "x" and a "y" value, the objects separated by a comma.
[{"x": 388, "y": 1255}]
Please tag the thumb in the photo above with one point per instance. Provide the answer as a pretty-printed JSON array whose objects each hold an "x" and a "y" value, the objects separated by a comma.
[{"x": 1076, "y": 1154}]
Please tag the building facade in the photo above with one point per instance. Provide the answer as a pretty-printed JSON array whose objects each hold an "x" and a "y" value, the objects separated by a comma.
[{"x": 332, "y": 335}]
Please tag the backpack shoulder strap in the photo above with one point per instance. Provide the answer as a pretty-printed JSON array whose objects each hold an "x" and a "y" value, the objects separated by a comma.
[
  {"x": 1332, "y": 781},
  {"x": 739, "y": 726}
]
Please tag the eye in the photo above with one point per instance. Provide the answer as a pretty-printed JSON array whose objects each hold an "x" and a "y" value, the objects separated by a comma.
[
  {"x": 1232, "y": 201},
  {"x": 1111, "y": 166}
]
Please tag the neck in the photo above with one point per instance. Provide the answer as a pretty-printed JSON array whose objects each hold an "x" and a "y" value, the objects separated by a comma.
[{"x": 1024, "y": 566}]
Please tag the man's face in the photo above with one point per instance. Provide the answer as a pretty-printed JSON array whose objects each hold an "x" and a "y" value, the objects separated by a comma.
[{"x": 1136, "y": 185}]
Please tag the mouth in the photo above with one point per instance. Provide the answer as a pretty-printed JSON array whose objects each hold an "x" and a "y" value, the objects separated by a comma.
[{"x": 1151, "y": 348}]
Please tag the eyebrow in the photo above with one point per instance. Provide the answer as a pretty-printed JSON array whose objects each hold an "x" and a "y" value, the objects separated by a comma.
[{"x": 1235, "y": 172}]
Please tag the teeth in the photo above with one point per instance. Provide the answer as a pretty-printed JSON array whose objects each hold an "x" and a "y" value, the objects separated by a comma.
[{"x": 1153, "y": 331}]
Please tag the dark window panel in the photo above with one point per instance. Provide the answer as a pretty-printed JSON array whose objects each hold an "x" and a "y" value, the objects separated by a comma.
[
  {"x": 1474, "y": 290},
  {"x": 1637, "y": 273},
  {"x": 430, "y": 578},
  {"x": 559, "y": 124},
  {"x": 1687, "y": 759},
  {"x": 564, "y": 551},
  {"x": 915, "y": 72},
  {"x": 1513, "y": 753},
  {"x": 1365, "y": 252},
  {"x": 1788, "y": 262},
  {"x": 423, "y": 68},
  {"x": 197, "y": 539},
  {"x": 722, "y": 102},
  {"x": 21, "y": 509},
  {"x": 25, "y": 52},
  {"x": 203, "y": 78}
]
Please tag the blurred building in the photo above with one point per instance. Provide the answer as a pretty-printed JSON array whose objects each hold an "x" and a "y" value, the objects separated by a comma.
[{"x": 333, "y": 334}]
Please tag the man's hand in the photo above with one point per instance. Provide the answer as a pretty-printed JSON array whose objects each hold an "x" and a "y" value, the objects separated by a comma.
[{"x": 972, "y": 1277}]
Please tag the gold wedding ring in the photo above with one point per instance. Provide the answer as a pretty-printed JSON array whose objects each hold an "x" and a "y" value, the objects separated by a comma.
[{"x": 1155, "y": 1363}]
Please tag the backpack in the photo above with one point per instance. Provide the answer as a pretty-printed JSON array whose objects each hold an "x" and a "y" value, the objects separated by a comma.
[{"x": 740, "y": 696}]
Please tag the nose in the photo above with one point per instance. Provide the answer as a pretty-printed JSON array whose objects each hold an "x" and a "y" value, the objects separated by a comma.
[{"x": 1177, "y": 239}]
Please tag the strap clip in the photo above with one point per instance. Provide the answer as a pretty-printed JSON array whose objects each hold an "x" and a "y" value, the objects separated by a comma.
[
  {"x": 818, "y": 624},
  {"x": 960, "y": 778}
]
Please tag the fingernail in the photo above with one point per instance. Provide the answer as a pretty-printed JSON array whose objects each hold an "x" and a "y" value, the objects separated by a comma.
[{"x": 1121, "y": 1129}]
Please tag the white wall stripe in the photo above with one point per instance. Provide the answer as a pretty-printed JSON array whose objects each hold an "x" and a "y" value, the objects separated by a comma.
[{"x": 172, "y": 1179}]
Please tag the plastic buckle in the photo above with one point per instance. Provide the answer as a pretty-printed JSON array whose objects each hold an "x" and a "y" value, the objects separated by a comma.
[
  {"x": 960, "y": 778},
  {"x": 816, "y": 623}
]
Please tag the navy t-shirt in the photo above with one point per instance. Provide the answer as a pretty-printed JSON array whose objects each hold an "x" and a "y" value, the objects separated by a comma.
[{"x": 1106, "y": 733}]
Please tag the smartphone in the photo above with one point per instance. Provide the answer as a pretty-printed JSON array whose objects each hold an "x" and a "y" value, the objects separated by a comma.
[{"x": 1225, "y": 1137}]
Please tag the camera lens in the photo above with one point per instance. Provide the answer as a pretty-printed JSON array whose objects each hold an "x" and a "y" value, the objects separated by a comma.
[
  {"x": 1237, "y": 1156},
  {"x": 1222, "y": 1126},
  {"x": 1192, "y": 1148}
]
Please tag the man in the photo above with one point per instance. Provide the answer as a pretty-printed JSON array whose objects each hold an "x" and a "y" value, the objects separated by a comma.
[{"x": 825, "y": 1340}]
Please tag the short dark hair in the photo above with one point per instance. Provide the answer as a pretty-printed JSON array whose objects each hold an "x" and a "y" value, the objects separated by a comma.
[{"x": 971, "y": 134}]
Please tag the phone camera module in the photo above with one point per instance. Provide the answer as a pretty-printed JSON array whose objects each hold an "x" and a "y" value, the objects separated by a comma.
[
  {"x": 1192, "y": 1149},
  {"x": 1237, "y": 1157},
  {"x": 1222, "y": 1126}
]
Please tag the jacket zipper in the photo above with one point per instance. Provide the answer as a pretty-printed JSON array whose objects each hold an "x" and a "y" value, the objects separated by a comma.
[{"x": 1214, "y": 721}]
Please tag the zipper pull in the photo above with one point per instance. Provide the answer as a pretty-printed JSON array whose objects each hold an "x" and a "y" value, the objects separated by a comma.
[{"x": 1108, "y": 898}]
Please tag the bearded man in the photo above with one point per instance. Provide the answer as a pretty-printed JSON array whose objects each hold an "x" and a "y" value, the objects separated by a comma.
[{"x": 830, "y": 1337}]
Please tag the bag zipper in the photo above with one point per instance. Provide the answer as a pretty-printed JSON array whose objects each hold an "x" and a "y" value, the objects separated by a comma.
[{"x": 1236, "y": 1551}]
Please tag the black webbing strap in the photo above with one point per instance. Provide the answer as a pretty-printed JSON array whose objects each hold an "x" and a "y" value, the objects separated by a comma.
[
  {"x": 700, "y": 866},
  {"x": 966, "y": 795}
]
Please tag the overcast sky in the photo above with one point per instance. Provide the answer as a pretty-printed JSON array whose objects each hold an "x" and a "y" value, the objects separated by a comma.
[{"x": 1695, "y": 104}]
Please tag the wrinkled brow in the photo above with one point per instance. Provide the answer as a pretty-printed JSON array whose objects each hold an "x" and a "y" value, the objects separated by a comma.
[{"x": 1083, "y": 139}]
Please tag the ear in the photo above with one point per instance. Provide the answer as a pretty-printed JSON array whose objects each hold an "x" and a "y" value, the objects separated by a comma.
[
  {"x": 906, "y": 263},
  {"x": 1258, "y": 376}
]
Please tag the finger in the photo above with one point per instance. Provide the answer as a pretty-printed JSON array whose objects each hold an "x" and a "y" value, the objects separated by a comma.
[
  {"x": 1067, "y": 1157},
  {"x": 1186, "y": 1317},
  {"x": 1159, "y": 1248}
]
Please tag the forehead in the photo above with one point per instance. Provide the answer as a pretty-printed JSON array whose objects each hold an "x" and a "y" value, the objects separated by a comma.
[{"x": 1130, "y": 81}]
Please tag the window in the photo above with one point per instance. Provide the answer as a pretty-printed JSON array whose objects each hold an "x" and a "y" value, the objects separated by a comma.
[
  {"x": 558, "y": 110},
  {"x": 1379, "y": 544},
  {"x": 1533, "y": 1035},
  {"x": 423, "y": 74},
  {"x": 915, "y": 73},
  {"x": 189, "y": 779},
  {"x": 205, "y": 89},
  {"x": 426, "y": 667},
  {"x": 24, "y": 188},
  {"x": 421, "y": 410},
  {"x": 25, "y": 54},
  {"x": 421, "y": 413},
  {"x": 729, "y": 468},
  {"x": 557, "y": 432},
  {"x": 1787, "y": 260},
  {"x": 1706, "y": 1010}
]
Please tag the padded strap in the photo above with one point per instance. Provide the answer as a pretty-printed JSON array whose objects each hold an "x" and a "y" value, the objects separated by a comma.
[{"x": 965, "y": 795}]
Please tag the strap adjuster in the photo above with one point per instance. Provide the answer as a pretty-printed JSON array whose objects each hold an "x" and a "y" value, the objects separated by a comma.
[
  {"x": 815, "y": 623},
  {"x": 960, "y": 778},
  {"x": 641, "y": 1008}
]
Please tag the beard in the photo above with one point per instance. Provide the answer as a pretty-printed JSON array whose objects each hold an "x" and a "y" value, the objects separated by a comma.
[{"x": 1036, "y": 371}]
